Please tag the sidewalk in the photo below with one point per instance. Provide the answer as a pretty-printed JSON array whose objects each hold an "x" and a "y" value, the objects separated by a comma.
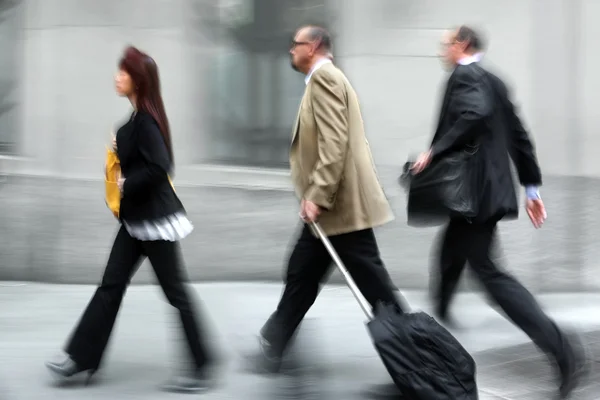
[{"x": 36, "y": 319}]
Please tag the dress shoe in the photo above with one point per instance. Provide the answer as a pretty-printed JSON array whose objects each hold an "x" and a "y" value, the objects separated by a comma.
[
  {"x": 198, "y": 382},
  {"x": 575, "y": 368},
  {"x": 446, "y": 320},
  {"x": 267, "y": 360}
]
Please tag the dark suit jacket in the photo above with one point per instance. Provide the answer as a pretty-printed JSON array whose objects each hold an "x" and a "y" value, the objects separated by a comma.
[
  {"x": 477, "y": 110},
  {"x": 145, "y": 165}
]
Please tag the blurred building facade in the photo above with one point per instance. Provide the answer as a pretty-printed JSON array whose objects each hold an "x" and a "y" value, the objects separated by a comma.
[{"x": 231, "y": 97}]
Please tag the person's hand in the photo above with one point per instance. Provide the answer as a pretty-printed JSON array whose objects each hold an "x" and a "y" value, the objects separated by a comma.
[
  {"x": 120, "y": 183},
  {"x": 114, "y": 142},
  {"x": 536, "y": 211},
  {"x": 422, "y": 162},
  {"x": 309, "y": 211}
]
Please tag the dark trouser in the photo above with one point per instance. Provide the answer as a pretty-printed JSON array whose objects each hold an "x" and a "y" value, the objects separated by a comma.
[
  {"x": 464, "y": 242},
  {"x": 310, "y": 264},
  {"x": 91, "y": 335}
]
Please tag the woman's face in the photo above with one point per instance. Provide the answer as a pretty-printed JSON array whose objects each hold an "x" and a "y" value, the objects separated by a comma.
[{"x": 123, "y": 83}]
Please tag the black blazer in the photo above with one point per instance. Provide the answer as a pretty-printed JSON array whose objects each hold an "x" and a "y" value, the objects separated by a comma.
[
  {"x": 145, "y": 165},
  {"x": 477, "y": 110}
]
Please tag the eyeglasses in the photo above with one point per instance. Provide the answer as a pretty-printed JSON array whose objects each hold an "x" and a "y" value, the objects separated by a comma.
[
  {"x": 295, "y": 43},
  {"x": 448, "y": 44}
]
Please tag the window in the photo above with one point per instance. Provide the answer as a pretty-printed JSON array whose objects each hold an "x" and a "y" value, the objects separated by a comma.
[
  {"x": 254, "y": 93},
  {"x": 9, "y": 68}
]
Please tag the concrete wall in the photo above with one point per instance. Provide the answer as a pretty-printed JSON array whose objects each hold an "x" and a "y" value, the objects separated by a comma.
[{"x": 56, "y": 228}]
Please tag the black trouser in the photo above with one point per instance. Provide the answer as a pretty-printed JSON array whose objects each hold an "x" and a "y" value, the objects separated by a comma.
[
  {"x": 471, "y": 242},
  {"x": 91, "y": 335},
  {"x": 310, "y": 264}
]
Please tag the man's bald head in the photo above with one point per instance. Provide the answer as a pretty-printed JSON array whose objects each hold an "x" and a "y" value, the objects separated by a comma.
[{"x": 310, "y": 43}]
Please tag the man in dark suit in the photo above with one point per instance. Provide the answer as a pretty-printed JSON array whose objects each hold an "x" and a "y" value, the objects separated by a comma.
[{"x": 476, "y": 111}]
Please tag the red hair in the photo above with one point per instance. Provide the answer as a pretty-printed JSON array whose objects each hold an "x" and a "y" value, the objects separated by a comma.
[{"x": 144, "y": 73}]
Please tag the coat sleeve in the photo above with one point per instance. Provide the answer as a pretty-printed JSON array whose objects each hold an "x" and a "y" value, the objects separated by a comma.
[
  {"x": 521, "y": 148},
  {"x": 329, "y": 104},
  {"x": 154, "y": 151},
  {"x": 470, "y": 101}
]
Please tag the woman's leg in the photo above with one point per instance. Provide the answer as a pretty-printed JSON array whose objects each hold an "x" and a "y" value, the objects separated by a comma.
[
  {"x": 165, "y": 258},
  {"x": 89, "y": 339}
]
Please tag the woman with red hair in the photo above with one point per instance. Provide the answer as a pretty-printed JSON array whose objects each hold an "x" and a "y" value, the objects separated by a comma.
[{"x": 153, "y": 220}]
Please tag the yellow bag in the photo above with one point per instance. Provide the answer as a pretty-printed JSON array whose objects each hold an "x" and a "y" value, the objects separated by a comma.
[{"x": 111, "y": 179}]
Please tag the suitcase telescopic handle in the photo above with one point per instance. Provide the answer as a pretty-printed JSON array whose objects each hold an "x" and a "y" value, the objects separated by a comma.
[{"x": 364, "y": 304}]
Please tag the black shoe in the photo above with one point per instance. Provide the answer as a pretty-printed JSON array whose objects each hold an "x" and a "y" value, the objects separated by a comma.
[
  {"x": 267, "y": 360},
  {"x": 68, "y": 368},
  {"x": 444, "y": 318},
  {"x": 384, "y": 391},
  {"x": 574, "y": 369},
  {"x": 198, "y": 382}
]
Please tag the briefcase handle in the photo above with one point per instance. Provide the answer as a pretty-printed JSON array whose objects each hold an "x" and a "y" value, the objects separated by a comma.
[{"x": 364, "y": 304}]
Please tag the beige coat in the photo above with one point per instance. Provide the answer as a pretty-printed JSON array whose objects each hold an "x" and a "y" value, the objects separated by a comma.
[{"x": 330, "y": 158}]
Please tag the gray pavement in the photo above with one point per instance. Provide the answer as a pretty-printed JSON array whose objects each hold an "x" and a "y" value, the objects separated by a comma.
[{"x": 35, "y": 320}]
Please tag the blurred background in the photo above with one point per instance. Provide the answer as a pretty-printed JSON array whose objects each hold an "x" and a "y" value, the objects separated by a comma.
[{"x": 231, "y": 97}]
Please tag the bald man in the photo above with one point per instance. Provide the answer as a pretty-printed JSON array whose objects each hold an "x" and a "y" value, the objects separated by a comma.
[{"x": 336, "y": 184}]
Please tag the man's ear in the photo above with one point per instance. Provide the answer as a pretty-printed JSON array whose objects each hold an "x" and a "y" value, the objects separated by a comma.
[{"x": 316, "y": 45}]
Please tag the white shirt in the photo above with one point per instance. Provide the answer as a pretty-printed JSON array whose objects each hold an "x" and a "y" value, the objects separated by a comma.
[
  {"x": 471, "y": 59},
  {"x": 315, "y": 67},
  {"x": 170, "y": 228}
]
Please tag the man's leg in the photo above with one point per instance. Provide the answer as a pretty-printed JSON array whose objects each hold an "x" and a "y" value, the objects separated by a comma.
[
  {"x": 360, "y": 253},
  {"x": 519, "y": 305},
  {"x": 451, "y": 263},
  {"x": 308, "y": 264}
]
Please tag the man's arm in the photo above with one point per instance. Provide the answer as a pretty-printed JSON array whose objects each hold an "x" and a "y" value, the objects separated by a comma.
[
  {"x": 330, "y": 113},
  {"x": 522, "y": 152},
  {"x": 471, "y": 101},
  {"x": 520, "y": 146}
]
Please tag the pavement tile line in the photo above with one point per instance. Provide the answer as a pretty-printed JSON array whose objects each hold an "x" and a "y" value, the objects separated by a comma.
[
  {"x": 37, "y": 318},
  {"x": 530, "y": 376}
]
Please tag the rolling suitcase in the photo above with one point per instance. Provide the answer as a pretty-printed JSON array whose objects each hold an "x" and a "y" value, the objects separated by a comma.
[{"x": 425, "y": 361}]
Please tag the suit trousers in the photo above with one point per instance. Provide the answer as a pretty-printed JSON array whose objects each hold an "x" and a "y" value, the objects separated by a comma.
[
  {"x": 471, "y": 242},
  {"x": 310, "y": 265},
  {"x": 90, "y": 337}
]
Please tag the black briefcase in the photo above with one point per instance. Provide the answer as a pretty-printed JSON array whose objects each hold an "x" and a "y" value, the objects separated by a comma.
[
  {"x": 448, "y": 188},
  {"x": 425, "y": 361}
]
